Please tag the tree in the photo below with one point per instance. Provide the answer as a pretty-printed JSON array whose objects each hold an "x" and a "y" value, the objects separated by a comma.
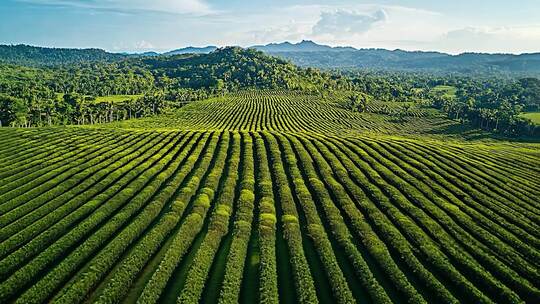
[
  {"x": 358, "y": 102},
  {"x": 13, "y": 111}
]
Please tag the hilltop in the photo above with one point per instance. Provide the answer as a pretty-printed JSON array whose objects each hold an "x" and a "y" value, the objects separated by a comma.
[
  {"x": 224, "y": 69},
  {"x": 234, "y": 68}
]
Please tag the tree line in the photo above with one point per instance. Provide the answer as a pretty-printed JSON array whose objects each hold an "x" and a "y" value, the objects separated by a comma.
[{"x": 492, "y": 104}]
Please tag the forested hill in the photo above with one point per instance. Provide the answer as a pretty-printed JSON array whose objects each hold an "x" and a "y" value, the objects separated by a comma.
[
  {"x": 36, "y": 56},
  {"x": 402, "y": 61},
  {"x": 57, "y": 94},
  {"x": 224, "y": 69},
  {"x": 234, "y": 68}
]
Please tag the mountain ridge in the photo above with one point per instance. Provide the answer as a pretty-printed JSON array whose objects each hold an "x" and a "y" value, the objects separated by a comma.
[{"x": 310, "y": 54}]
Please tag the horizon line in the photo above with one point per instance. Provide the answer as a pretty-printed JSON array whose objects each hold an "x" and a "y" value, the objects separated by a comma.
[{"x": 163, "y": 51}]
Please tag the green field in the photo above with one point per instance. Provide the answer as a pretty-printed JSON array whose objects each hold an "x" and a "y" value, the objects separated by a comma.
[
  {"x": 108, "y": 99},
  {"x": 116, "y": 98},
  {"x": 267, "y": 196},
  {"x": 444, "y": 90},
  {"x": 534, "y": 117}
]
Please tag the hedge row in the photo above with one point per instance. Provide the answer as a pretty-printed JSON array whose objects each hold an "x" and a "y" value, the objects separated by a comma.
[
  {"x": 303, "y": 280},
  {"x": 29, "y": 186},
  {"x": 337, "y": 224},
  {"x": 316, "y": 231},
  {"x": 125, "y": 273},
  {"x": 32, "y": 210},
  {"x": 218, "y": 227},
  {"x": 407, "y": 231},
  {"x": 122, "y": 230},
  {"x": 495, "y": 236},
  {"x": 442, "y": 206},
  {"x": 268, "y": 289},
  {"x": 123, "y": 198},
  {"x": 241, "y": 234},
  {"x": 192, "y": 224},
  {"x": 406, "y": 198}
]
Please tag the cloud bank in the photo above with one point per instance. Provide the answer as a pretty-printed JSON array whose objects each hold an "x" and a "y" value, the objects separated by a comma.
[
  {"x": 492, "y": 39},
  {"x": 390, "y": 27},
  {"x": 168, "y": 6},
  {"x": 168, "y": 24}
]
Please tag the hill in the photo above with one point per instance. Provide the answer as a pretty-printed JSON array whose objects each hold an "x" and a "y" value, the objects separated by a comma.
[
  {"x": 271, "y": 110},
  {"x": 310, "y": 54},
  {"x": 230, "y": 68},
  {"x": 266, "y": 196},
  {"x": 31, "y": 55},
  {"x": 303, "y": 46},
  {"x": 233, "y": 68},
  {"x": 69, "y": 93}
]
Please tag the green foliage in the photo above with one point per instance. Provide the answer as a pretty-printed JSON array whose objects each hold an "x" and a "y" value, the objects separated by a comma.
[
  {"x": 39, "y": 56},
  {"x": 435, "y": 63},
  {"x": 358, "y": 102},
  {"x": 13, "y": 111},
  {"x": 534, "y": 117}
]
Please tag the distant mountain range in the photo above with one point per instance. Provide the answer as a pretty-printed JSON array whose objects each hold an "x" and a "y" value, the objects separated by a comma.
[
  {"x": 192, "y": 50},
  {"x": 310, "y": 54},
  {"x": 304, "y": 46}
]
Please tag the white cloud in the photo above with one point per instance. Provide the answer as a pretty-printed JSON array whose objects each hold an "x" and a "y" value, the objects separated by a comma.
[
  {"x": 358, "y": 25},
  {"x": 168, "y": 6},
  {"x": 345, "y": 22},
  {"x": 362, "y": 26},
  {"x": 144, "y": 45},
  {"x": 509, "y": 39},
  {"x": 371, "y": 26}
]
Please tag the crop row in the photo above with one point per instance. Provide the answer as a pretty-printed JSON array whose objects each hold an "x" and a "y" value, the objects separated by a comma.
[
  {"x": 284, "y": 112},
  {"x": 195, "y": 216}
]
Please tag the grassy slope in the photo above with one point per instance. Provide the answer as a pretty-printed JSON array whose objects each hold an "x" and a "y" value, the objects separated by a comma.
[{"x": 535, "y": 117}]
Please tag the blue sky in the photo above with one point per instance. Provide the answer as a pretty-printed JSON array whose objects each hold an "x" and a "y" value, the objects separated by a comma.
[{"x": 141, "y": 25}]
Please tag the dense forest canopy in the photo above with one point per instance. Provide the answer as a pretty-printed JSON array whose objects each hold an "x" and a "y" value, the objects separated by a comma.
[
  {"x": 66, "y": 91},
  {"x": 232, "y": 68},
  {"x": 31, "y": 55},
  {"x": 490, "y": 103}
]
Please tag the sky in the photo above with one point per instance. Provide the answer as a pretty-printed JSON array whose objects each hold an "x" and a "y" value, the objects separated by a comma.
[{"x": 452, "y": 26}]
